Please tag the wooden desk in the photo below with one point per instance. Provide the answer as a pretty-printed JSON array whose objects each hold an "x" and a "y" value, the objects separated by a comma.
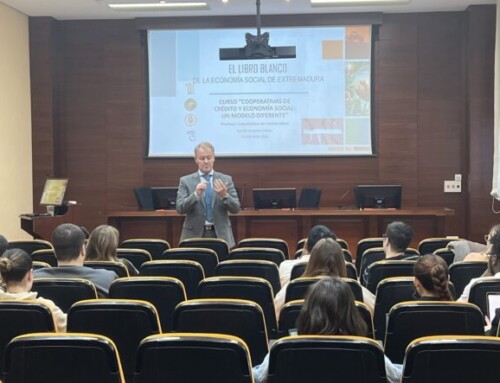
[
  {"x": 290, "y": 225},
  {"x": 41, "y": 227}
]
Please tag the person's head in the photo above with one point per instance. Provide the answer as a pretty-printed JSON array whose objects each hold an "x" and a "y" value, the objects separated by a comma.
[
  {"x": 493, "y": 249},
  {"x": 204, "y": 156},
  {"x": 68, "y": 241},
  {"x": 329, "y": 309},
  {"x": 102, "y": 244},
  {"x": 398, "y": 236},
  {"x": 16, "y": 269},
  {"x": 4, "y": 244},
  {"x": 315, "y": 234},
  {"x": 326, "y": 259},
  {"x": 431, "y": 277}
]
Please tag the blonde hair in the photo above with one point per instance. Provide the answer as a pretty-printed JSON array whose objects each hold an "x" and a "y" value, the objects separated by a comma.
[
  {"x": 102, "y": 244},
  {"x": 204, "y": 145}
]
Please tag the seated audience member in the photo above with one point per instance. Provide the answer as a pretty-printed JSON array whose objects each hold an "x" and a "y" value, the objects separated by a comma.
[
  {"x": 102, "y": 245},
  {"x": 329, "y": 309},
  {"x": 69, "y": 245},
  {"x": 16, "y": 267},
  {"x": 493, "y": 270},
  {"x": 465, "y": 250},
  {"x": 326, "y": 260},
  {"x": 396, "y": 240},
  {"x": 432, "y": 278},
  {"x": 4, "y": 244},
  {"x": 317, "y": 232}
]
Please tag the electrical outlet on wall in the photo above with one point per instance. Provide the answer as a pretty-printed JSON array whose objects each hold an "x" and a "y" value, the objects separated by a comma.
[{"x": 452, "y": 186}]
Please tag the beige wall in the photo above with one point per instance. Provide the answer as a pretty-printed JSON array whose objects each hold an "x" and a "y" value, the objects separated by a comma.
[{"x": 15, "y": 122}]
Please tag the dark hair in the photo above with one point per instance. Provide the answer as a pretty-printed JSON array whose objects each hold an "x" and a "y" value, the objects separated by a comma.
[
  {"x": 432, "y": 273},
  {"x": 67, "y": 240},
  {"x": 4, "y": 244},
  {"x": 14, "y": 264},
  {"x": 399, "y": 235},
  {"x": 329, "y": 309},
  {"x": 316, "y": 233},
  {"x": 326, "y": 259},
  {"x": 494, "y": 251}
]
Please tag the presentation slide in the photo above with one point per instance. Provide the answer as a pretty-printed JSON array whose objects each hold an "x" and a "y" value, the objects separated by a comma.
[{"x": 317, "y": 104}]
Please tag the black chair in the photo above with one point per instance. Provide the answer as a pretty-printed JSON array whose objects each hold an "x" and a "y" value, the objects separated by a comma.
[
  {"x": 190, "y": 273},
  {"x": 216, "y": 244},
  {"x": 75, "y": 358},
  {"x": 344, "y": 245},
  {"x": 65, "y": 291},
  {"x": 40, "y": 265},
  {"x": 257, "y": 290},
  {"x": 245, "y": 268},
  {"x": 273, "y": 243},
  {"x": 257, "y": 253},
  {"x": 155, "y": 247},
  {"x": 287, "y": 319},
  {"x": 211, "y": 358},
  {"x": 309, "y": 198},
  {"x": 298, "y": 270},
  {"x": 313, "y": 358},
  {"x": 207, "y": 258},
  {"x": 363, "y": 245},
  {"x": 462, "y": 272},
  {"x": 430, "y": 245},
  {"x": 347, "y": 255},
  {"x": 124, "y": 321},
  {"x": 45, "y": 255},
  {"x": 408, "y": 321},
  {"x": 23, "y": 317},
  {"x": 479, "y": 292},
  {"x": 144, "y": 198},
  {"x": 117, "y": 267},
  {"x": 457, "y": 359},
  {"x": 300, "y": 244},
  {"x": 297, "y": 288},
  {"x": 31, "y": 245},
  {"x": 135, "y": 256},
  {"x": 378, "y": 271},
  {"x": 447, "y": 254},
  {"x": 237, "y": 317},
  {"x": 163, "y": 292},
  {"x": 370, "y": 256}
]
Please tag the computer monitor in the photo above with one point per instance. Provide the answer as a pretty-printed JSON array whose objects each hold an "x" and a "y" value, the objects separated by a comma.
[
  {"x": 53, "y": 191},
  {"x": 378, "y": 196},
  {"x": 164, "y": 197},
  {"x": 274, "y": 198}
]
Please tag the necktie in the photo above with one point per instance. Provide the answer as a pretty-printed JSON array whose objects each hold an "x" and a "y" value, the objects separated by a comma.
[{"x": 208, "y": 199}]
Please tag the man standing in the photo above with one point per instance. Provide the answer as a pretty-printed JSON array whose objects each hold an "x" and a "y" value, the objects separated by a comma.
[{"x": 206, "y": 197}]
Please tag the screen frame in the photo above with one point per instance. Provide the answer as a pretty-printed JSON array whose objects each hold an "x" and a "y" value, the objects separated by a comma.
[
  {"x": 54, "y": 191},
  {"x": 378, "y": 196},
  {"x": 160, "y": 194},
  {"x": 274, "y": 198}
]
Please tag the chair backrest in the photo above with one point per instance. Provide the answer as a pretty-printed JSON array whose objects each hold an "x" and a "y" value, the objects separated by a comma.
[
  {"x": 155, "y": 247},
  {"x": 117, "y": 267},
  {"x": 257, "y": 290},
  {"x": 447, "y": 254},
  {"x": 76, "y": 358},
  {"x": 344, "y": 245},
  {"x": 144, "y": 197},
  {"x": 216, "y": 244},
  {"x": 257, "y": 253},
  {"x": 462, "y": 272},
  {"x": 390, "y": 291},
  {"x": 352, "y": 273},
  {"x": 65, "y": 291},
  {"x": 135, "y": 256},
  {"x": 288, "y": 317},
  {"x": 315, "y": 358},
  {"x": 479, "y": 292},
  {"x": 363, "y": 245},
  {"x": 164, "y": 293},
  {"x": 45, "y": 255},
  {"x": 207, "y": 258},
  {"x": 172, "y": 358},
  {"x": 297, "y": 270},
  {"x": 237, "y": 317},
  {"x": 452, "y": 359},
  {"x": 347, "y": 255},
  {"x": 430, "y": 245},
  {"x": 300, "y": 244},
  {"x": 245, "y": 268},
  {"x": 124, "y": 321},
  {"x": 31, "y": 245},
  {"x": 408, "y": 321},
  {"x": 370, "y": 256},
  {"x": 297, "y": 288},
  {"x": 380, "y": 270},
  {"x": 309, "y": 198},
  {"x": 273, "y": 243},
  {"x": 23, "y": 317},
  {"x": 190, "y": 273},
  {"x": 40, "y": 265}
]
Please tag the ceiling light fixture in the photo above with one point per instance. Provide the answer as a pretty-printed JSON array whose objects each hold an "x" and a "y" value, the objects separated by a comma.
[
  {"x": 198, "y": 5},
  {"x": 350, "y": 3}
]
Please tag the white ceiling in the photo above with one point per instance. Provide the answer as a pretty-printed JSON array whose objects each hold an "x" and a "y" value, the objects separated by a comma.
[{"x": 98, "y": 9}]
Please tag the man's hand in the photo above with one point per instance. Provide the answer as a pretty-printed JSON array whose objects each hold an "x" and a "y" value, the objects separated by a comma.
[
  {"x": 220, "y": 188},
  {"x": 200, "y": 188}
]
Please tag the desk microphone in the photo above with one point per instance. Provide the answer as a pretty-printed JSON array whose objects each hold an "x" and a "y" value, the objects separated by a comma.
[
  {"x": 346, "y": 193},
  {"x": 242, "y": 195}
]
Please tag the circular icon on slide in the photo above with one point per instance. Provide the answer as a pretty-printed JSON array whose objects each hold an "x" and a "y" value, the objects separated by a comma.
[
  {"x": 190, "y": 104},
  {"x": 190, "y": 120}
]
